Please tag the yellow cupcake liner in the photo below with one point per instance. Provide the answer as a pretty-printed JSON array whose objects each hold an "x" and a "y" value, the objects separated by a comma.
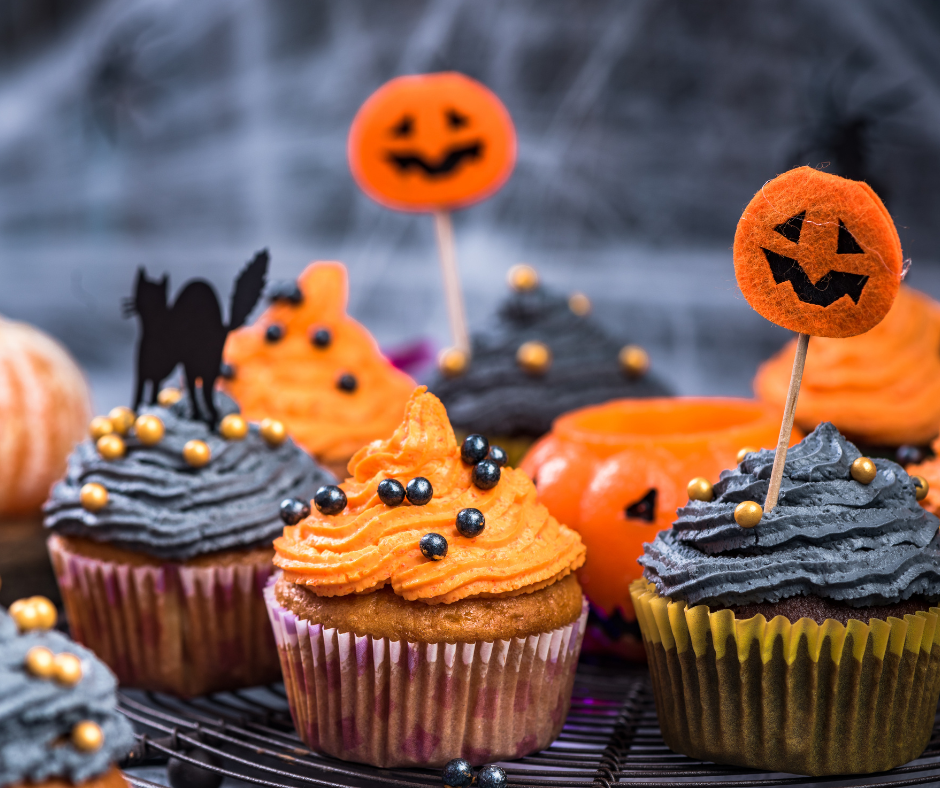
[{"x": 805, "y": 698}]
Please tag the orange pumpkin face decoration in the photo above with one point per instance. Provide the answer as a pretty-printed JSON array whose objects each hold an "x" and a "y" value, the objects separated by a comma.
[
  {"x": 818, "y": 254},
  {"x": 431, "y": 142}
]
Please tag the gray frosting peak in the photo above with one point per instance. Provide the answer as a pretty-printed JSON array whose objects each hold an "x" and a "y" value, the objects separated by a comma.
[
  {"x": 828, "y": 536},
  {"x": 161, "y": 506},
  {"x": 37, "y": 715},
  {"x": 494, "y": 396}
]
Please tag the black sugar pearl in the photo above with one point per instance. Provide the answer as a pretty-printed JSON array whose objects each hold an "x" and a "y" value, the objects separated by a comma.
[
  {"x": 474, "y": 449},
  {"x": 287, "y": 291},
  {"x": 321, "y": 338},
  {"x": 391, "y": 492},
  {"x": 419, "y": 491},
  {"x": 486, "y": 474},
  {"x": 909, "y": 455},
  {"x": 347, "y": 383},
  {"x": 274, "y": 333},
  {"x": 457, "y": 774},
  {"x": 470, "y": 522},
  {"x": 433, "y": 546},
  {"x": 293, "y": 510},
  {"x": 330, "y": 499},
  {"x": 498, "y": 455},
  {"x": 183, "y": 774},
  {"x": 491, "y": 777},
  {"x": 227, "y": 371}
]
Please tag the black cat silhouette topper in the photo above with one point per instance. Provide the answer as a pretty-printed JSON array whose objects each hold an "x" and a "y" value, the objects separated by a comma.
[{"x": 190, "y": 332}]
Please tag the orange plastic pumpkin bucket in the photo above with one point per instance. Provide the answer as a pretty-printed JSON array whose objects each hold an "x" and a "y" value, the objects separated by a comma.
[{"x": 617, "y": 472}]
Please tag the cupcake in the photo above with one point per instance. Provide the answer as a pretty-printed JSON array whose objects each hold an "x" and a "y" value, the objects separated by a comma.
[
  {"x": 617, "y": 472},
  {"x": 44, "y": 409},
  {"x": 308, "y": 364},
  {"x": 543, "y": 356},
  {"x": 427, "y": 609},
  {"x": 161, "y": 543},
  {"x": 880, "y": 388},
  {"x": 58, "y": 726},
  {"x": 808, "y": 641}
]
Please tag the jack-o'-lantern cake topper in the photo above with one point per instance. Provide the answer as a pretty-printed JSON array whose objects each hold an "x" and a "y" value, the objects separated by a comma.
[
  {"x": 431, "y": 142},
  {"x": 818, "y": 254}
]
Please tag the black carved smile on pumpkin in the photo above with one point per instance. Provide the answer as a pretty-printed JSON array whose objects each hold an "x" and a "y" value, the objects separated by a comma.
[
  {"x": 832, "y": 285},
  {"x": 452, "y": 158}
]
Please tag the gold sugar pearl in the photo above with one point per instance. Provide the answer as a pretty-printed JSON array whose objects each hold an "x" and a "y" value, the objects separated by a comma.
[
  {"x": 522, "y": 277},
  {"x": 863, "y": 470},
  {"x": 35, "y": 612},
  {"x": 700, "y": 489},
  {"x": 534, "y": 357},
  {"x": 273, "y": 431},
  {"x": 149, "y": 430},
  {"x": 87, "y": 736},
  {"x": 93, "y": 497},
  {"x": 453, "y": 362},
  {"x": 233, "y": 427},
  {"x": 747, "y": 514},
  {"x": 40, "y": 662},
  {"x": 197, "y": 453},
  {"x": 169, "y": 396},
  {"x": 579, "y": 304},
  {"x": 99, "y": 427},
  {"x": 67, "y": 669},
  {"x": 122, "y": 419},
  {"x": 111, "y": 447},
  {"x": 634, "y": 360},
  {"x": 742, "y": 453},
  {"x": 921, "y": 487}
]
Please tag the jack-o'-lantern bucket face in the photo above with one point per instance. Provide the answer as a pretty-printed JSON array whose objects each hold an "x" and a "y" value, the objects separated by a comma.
[
  {"x": 431, "y": 142},
  {"x": 818, "y": 254}
]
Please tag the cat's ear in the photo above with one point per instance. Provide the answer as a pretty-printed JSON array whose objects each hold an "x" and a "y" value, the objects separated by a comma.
[
  {"x": 165, "y": 282},
  {"x": 141, "y": 276}
]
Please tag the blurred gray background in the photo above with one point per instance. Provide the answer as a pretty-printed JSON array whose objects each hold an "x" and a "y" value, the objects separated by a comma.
[{"x": 186, "y": 135}]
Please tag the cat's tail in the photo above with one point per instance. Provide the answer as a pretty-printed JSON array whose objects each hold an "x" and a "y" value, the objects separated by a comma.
[{"x": 248, "y": 289}]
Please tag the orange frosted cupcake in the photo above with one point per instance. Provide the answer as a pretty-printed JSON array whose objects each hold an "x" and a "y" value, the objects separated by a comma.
[
  {"x": 428, "y": 608},
  {"x": 881, "y": 388},
  {"x": 308, "y": 364}
]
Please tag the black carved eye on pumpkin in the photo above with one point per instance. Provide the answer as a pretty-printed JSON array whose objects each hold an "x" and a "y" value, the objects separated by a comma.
[
  {"x": 832, "y": 285},
  {"x": 456, "y": 120},
  {"x": 643, "y": 509},
  {"x": 404, "y": 128}
]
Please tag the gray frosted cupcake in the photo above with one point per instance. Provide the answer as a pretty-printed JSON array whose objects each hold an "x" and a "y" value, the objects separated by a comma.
[
  {"x": 58, "y": 721},
  {"x": 809, "y": 642},
  {"x": 161, "y": 542},
  {"x": 544, "y": 355}
]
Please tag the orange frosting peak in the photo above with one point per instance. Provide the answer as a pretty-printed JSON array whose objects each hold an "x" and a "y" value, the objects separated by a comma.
[
  {"x": 297, "y": 381},
  {"x": 881, "y": 387},
  {"x": 522, "y": 548}
]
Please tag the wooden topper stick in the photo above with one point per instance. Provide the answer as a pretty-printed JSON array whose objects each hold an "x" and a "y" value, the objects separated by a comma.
[
  {"x": 452, "y": 291},
  {"x": 789, "y": 411}
]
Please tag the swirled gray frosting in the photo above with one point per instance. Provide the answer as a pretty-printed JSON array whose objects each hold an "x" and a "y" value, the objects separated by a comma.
[
  {"x": 495, "y": 397},
  {"x": 161, "y": 506},
  {"x": 37, "y": 715},
  {"x": 828, "y": 536}
]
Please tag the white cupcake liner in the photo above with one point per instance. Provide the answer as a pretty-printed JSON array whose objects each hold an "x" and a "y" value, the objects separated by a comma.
[{"x": 390, "y": 703}]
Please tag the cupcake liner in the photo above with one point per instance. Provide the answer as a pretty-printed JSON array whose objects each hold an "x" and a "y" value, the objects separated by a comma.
[
  {"x": 805, "y": 698},
  {"x": 390, "y": 703},
  {"x": 170, "y": 628}
]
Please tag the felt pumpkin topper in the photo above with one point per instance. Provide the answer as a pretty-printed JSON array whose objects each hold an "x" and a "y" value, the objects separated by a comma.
[
  {"x": 820, "y": 255},
  {"x": 433, "y": 143}
]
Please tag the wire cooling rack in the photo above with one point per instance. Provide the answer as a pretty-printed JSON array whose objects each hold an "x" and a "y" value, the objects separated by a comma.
[{"x": 611, "y": 737}]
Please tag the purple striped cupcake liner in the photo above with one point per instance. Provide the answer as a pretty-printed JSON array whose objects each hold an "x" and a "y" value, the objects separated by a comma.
[
  {"x": 186, "y": 630},
  {"x": 390, "y": 703}
]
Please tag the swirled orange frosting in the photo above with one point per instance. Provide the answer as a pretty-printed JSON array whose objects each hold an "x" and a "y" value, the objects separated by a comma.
[
  {"x": 297, "y": 382},
  {"x": 881, "y": 387},
  {"x": 930, "y": 470},
  {"x": 368, "y": 545}
]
